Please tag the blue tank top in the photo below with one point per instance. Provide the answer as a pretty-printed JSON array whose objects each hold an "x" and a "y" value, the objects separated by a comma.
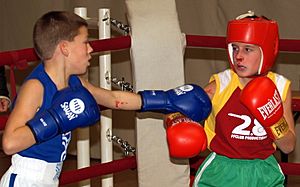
[{"x": 55, "y": 149}]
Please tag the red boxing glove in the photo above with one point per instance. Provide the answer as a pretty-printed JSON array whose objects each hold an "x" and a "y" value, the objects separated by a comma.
[
  {"x": 186, "y": 138},
  {"x": 263, "y": 100}
]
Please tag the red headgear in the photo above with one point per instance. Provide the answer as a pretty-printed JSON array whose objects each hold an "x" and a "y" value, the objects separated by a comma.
[{"x": 260, "y": 31}]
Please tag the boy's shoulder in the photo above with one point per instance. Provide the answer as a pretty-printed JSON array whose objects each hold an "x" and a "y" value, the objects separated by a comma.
[
  {"x": 276, "y": 77},
  {"x": 282, "y": 83},
  {"x": 226, "y": 73},
  {"x": 223, "y": 76}
]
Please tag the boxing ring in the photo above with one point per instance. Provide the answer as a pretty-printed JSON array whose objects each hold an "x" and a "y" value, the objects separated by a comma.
[{"x": 21, "y": 59}]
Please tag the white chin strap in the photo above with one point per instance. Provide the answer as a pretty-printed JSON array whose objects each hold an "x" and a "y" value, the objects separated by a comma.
[
  {"x": 230, "y": 52},
  {"x": 261, "y": 61}
]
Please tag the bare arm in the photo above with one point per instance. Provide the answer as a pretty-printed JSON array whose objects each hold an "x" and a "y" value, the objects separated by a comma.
[
  {"x": 210, "y": 89},
  {"x": 17, "y": 135},
  {"x": 287, "y": 143},
  {"x": 114, "y": 99}
]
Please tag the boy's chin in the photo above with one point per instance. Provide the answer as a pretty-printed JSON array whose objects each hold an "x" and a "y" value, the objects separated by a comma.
[
  {"x": 245, "y": 75},
  {"x": 82, "y": 73}
]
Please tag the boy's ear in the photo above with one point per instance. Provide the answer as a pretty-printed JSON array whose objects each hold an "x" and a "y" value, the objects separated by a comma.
[{"x": 63, "y": 46}]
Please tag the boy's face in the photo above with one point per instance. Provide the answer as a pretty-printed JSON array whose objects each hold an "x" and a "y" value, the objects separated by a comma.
[
  {"x": 246, "y": 58},
  {"x": 79, "y": 52}
]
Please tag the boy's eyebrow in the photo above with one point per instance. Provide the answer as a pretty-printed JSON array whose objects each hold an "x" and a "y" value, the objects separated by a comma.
[
  {"x": 250, "y": 45},
  {"x": 246, "y": 45}
]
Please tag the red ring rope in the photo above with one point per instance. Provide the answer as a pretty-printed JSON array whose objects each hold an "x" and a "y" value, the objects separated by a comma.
[
  {"x": 97, "y": 170},
  {"x": 220, "y": 42},
  {"x": 124, "y": 42}
]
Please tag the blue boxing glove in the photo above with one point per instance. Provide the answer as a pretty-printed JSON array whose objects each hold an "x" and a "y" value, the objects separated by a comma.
[
  {"x": 71, "y": 108},
  {"x": 190, "y": 100}
]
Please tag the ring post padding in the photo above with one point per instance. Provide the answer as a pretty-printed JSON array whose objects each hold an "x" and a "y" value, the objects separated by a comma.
[
  {"x": 157, "y": 63},
  {"x": 83, "y": 134}
]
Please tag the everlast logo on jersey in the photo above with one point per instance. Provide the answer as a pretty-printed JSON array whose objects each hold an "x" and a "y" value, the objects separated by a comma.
[{"x": 271, "y": 106}]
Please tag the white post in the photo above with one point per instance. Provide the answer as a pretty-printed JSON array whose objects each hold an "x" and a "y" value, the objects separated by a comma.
[
  {"x": 105, "y": 82},
  {"x": 83, "y": 136}
]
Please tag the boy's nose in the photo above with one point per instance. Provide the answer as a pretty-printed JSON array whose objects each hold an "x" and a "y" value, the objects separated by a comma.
[
  {"x": 239, "y": 57},
  {"x": 90, "y": 49}
]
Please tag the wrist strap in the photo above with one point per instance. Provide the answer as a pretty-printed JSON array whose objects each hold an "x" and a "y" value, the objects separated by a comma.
[
  {"x": 280, "y": 129},
  {"x": 177, "y": 117}
]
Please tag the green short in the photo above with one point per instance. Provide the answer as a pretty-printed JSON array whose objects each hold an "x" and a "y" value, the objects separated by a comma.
[{"x": 221, "y": 171}]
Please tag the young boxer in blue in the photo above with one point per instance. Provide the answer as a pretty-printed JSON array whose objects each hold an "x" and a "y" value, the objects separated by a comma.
[
  {"x": 61, "y": 42},
  {"x": 54, "y": 99}
]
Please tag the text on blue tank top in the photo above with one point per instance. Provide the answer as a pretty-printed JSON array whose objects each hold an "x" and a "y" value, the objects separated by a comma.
[{"x": 55, "y": 149}]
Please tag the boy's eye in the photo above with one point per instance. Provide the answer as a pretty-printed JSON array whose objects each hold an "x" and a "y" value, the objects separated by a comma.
[
  {"x": 235, "y": 48},
  {"x": 248, "y": 49}
]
